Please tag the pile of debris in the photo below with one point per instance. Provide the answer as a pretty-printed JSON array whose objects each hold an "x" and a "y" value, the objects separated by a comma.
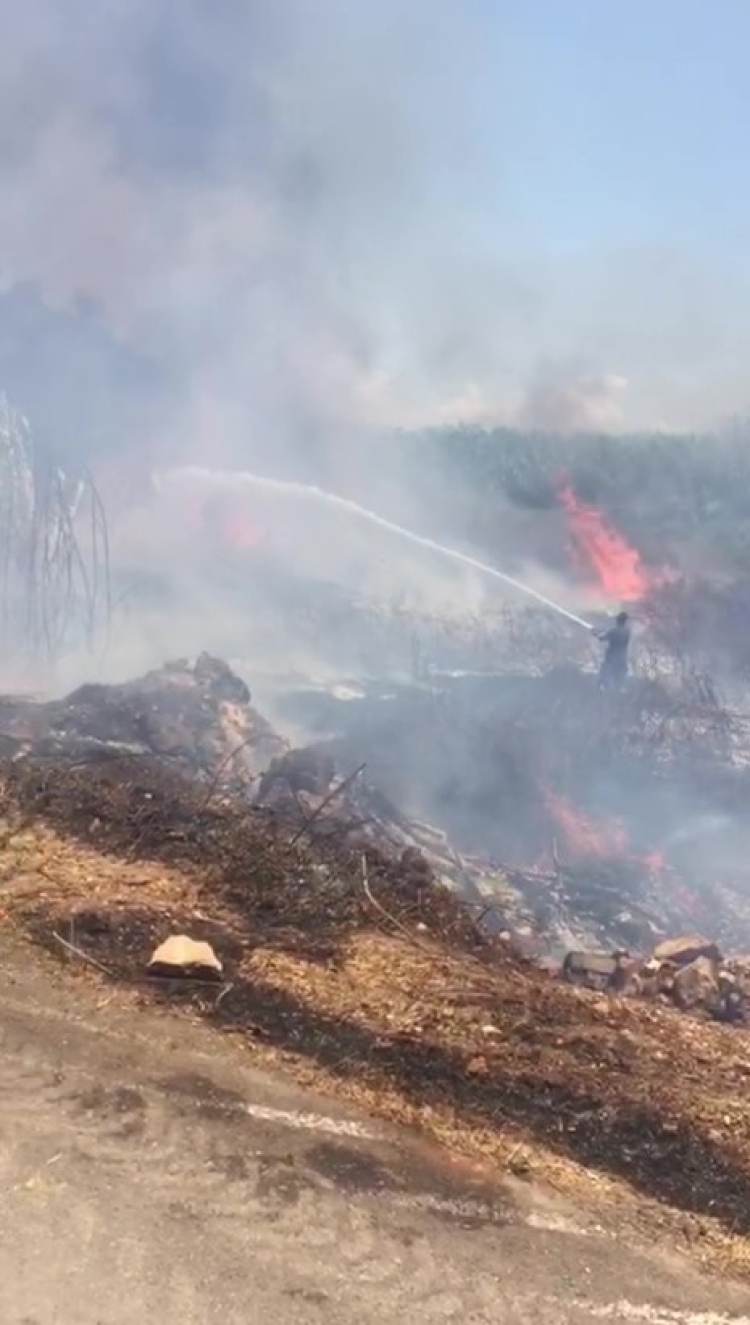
[
  {"x": 597, "y": 821},
  {"x": 303, "y": 786},
  {"x": 689, "y": 973},
  {"x": 196, "y": 717}
]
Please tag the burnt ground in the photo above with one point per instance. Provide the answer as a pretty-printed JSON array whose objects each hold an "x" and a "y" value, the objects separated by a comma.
[
  {"x": 632, "y": 807},
  {"x": 376, "y": 983}
]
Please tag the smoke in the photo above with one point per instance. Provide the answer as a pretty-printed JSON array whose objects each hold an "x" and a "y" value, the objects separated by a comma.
[
  {"x": 251, "y": 210},
  {"x": 256, "y": 236},
  {"x": 312, "y": 222},
  {"x": 561, "y": 399},
  {"x": 279, "y": 209},
  {"x": 239, "y": 191}
]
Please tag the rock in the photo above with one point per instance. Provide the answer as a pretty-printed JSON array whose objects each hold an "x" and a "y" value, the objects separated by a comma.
[
  {"x": 665, "y": 977},
  {"x": 183, "y": 956},
  {"x": 624, "y": 978},
  {"x": 414, "y": 862},
  {"x": 217, "y": 677},
  {"x": 686, "y": 949},
  {"x": 654, "y": 981},
  {"x": 731, "y": 1006},
  {"x": 305, "y": 770},
  {"x": 647, "y": 986},
  {"x": 651, "y": 967},
  {"x": 477, "y": 1066},
  {"x": 518, "y": 1163},
  {"x": 737, "y": 969},
  {"x": 593, "y": 970},
  {"x": 697, "y": 985}
]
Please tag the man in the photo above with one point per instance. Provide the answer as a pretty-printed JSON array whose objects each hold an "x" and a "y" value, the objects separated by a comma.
[{"x": 614, "y": 669}]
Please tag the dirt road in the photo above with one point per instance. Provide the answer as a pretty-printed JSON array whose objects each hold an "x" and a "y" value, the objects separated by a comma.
[{"x": 149, "y": 1172}]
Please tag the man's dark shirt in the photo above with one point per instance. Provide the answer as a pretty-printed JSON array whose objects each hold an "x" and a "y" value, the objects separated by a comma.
[{"x": 617, "y": 640}]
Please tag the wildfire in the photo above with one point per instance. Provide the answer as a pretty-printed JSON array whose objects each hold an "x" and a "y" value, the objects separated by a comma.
[
  {"x": 604, "y": 840},
  {"x": 583, "y": 838},
  {"x": 239, "y": 531},
  {"x": 229, "y": 520},
  {"x": 586, "y": 840},
  {"x": 600, "y": 549},
  {"x": 655, "y": 861}
]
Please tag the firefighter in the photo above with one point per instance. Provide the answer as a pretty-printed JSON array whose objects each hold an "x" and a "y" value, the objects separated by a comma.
[{"x": 614, "y": 669}]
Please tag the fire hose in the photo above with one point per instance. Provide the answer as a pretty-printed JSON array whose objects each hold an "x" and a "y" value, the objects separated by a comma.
[{"x": 289, "y": 488}]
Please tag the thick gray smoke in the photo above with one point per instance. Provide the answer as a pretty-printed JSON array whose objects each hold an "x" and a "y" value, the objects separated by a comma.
[
  {"x": 259, "y": 236},
  {"x": 236, "y": 235},
  {"x": 238, "y": 191},
  {"x": 263, "y": 229},
  {"x": 260, "y": 230}
]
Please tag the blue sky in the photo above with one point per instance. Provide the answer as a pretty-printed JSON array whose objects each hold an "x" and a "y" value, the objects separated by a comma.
[
  {"x": 281, "y": 219},
  {"x": 631, "y": 120}
]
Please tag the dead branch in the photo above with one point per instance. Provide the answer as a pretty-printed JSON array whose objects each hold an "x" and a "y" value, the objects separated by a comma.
[
  {"x": 392, "y": 920},
  {"x": 213, "y": 784},
  {"x": 485, "y": 908},
  {"x": 326, "y": 801},
  {"x": 78, "y": 952}
]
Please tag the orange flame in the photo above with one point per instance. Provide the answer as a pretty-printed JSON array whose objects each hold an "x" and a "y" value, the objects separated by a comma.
[
  {"x": 609, "y": 838},
  {"x": 655, "y": 861},
  {"x": 240, "y": 532},
  {"x": 583, "y": 838},
  {"x": 600, "y": 549},
  {"x": 231, "y": 520}
]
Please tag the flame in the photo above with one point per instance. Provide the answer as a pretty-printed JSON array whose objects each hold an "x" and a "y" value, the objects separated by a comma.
[
  {"x": 229, "y": 519},
  {"x": 608, "y": 838},
  {"x": 655, "y": 862},
  {"x": 601, "y": 550},
  {"x": 586, "y": 840},
  {"x": 239, "y": 530},
  {"x": 583, "y": 838}
]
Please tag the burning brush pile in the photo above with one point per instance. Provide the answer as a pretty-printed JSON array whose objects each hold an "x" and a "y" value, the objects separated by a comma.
[
  {"x": 561, "y": 819},
  {"x": 575, "y": 817}
]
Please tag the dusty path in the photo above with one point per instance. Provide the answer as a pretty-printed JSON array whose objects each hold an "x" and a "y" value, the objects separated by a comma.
[{"x": 148, "y": 1172}]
